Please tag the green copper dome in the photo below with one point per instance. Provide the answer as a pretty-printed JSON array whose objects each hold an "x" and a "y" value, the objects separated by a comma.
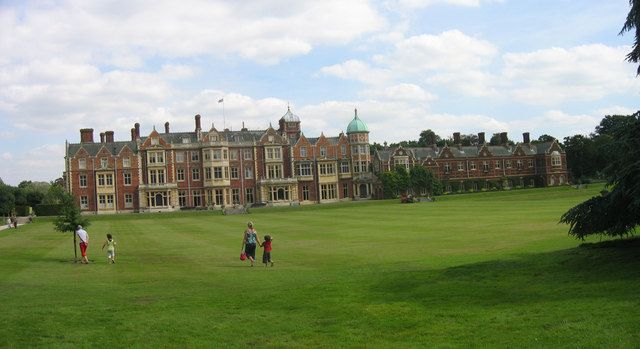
[{"x": 356, "y": 125}]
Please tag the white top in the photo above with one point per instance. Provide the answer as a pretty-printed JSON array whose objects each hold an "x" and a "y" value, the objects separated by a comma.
[{"x": 82, "y": 234}]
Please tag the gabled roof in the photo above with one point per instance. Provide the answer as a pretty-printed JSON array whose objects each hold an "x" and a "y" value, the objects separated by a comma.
[
  {"x": 177, "y": 137},
  {"x": 543, "y": 148},
  {"x": 94, "y": 148},
  {"x": 422, "y": 153}
]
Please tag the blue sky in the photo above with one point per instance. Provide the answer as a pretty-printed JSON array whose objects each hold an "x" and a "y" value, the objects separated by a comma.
[{"x": 545, "y": 67}]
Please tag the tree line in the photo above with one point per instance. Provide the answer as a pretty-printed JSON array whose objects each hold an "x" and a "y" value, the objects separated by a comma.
[{"x": 29, "y": 194}]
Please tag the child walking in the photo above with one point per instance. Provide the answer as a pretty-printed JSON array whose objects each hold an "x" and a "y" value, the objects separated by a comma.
[
  {"x": 266, "y": 254},
  {"x": 111, "y": 248}
]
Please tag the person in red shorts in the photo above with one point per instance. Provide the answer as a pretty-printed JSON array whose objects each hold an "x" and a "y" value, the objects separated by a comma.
[{"x": 84, "y": 243}]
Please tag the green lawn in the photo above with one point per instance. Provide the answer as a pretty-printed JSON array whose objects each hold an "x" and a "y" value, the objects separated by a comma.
[{"x": 469, "y": 271}]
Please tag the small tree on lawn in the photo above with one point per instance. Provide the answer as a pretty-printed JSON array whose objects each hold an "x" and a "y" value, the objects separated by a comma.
[{"x": 69, "y": 219}]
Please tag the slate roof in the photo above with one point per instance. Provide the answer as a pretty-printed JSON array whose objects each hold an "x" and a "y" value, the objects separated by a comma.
[
  {"x": 422, "y": 153},
  {"x": 93, "y": 148}
]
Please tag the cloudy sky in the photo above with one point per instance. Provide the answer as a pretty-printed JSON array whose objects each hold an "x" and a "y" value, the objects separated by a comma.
[{"x": 546, "y": 66}]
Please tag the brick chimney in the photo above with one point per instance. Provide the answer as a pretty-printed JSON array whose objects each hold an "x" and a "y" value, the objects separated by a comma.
[
  {"x": 481, "y": 138},
  {"x": 503, "y": 138},
  {"x": 166, "y": 127},
  {"x": 86, "y": 135},
  {"x": 137, "y": 127},
  {"x": 198, "y": 128},
  {"x": 101, "y": 137},
  {"x": 133, "y": 134},
  {"x": 525, "y": 138},
  {"x": 108, "y": 136},
  {"x": 456, "y": 138}
]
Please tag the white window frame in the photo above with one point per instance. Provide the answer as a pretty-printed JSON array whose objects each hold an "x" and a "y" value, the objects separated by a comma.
[{"x": 84, "y": 202}]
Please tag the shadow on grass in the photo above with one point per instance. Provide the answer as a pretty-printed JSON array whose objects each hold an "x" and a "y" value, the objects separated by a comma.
[{"x": 609, "y": 270}]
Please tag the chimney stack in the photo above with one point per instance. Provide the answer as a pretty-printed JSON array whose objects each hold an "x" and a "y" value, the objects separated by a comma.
[
  {"x": 481, "y": 138},
  {"x": 198, "y": 128},
  {"x": 456, "y": 138},
  {"x": 108, "y": 136},
  {"x": 101, "y": 137},
  {"x": 137, "y": 127},
  {"x": 166, "y": 127},
  {"x": 525, "y": 138},
  {"x": 86, "y": 135},
  {"x": 503, "y": 138},
  {"x": 133, "y": 134}
]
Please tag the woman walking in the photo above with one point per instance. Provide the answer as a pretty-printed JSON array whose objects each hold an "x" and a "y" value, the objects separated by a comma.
[{"x": 249, "y": 242}]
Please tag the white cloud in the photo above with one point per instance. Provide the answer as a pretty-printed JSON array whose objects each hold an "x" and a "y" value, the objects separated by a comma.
[
  {"x": 557, "y": 123},
  {"x": 177, "y": 71},
  {"x": 616, "y": 110},
  {"x": 35, "y": 99},
  {"x": 43, "y": 163},
  {"x": 404, "y": 91},
  {"x": 391, "y": 121},
  {"x": 414, "y": 4},
  {"x": 449, "y": 51},
  {"x": 466, "y": 66},
  {"x": 358, "y": 70},
  {"x": 123, "y": 34},
  {"x": 555, "y": 75},
  {"x": 452, "y": 59}
]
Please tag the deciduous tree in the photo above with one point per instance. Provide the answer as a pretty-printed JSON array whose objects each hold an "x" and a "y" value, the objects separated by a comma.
[{"x": 69, "y": 219}]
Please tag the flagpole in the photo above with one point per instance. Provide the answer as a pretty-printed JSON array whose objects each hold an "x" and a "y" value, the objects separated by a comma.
[{"x": 224, "y": 123}]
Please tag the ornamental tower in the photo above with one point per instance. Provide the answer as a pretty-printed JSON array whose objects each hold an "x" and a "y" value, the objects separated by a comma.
[
  {"x": 290, "y": 126},
  {"x": 358, "y": 135}
]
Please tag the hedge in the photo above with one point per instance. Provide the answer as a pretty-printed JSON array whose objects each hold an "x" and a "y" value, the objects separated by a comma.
[{"x": 48, "y": 209}]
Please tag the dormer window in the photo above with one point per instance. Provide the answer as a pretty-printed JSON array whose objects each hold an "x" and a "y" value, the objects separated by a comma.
[
  {"x": 154, "y": 141},
  {"x": 323, "y": 151},
  {"x": 103, "y": 162},
  {"x": 186, "y": 140},
  {"x": 270, "y": 138},
  {"x": 303, "y": 152},
  {"x": 82, "y": 164}
]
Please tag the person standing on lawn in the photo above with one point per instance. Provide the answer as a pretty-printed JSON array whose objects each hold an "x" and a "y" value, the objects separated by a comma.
[
  {"x": 249, "y": 242},
  {"x": 110, "y": 243},
  {"x": 84, "y": 243},
  {"x": 266, "y": 254}
]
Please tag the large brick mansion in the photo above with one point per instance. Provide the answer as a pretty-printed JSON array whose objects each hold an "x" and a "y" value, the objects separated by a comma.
[
  {"x": 210, "y": 169},
  {"x": 215, "y": 168},
  {"x": 483, "y": 166}
]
